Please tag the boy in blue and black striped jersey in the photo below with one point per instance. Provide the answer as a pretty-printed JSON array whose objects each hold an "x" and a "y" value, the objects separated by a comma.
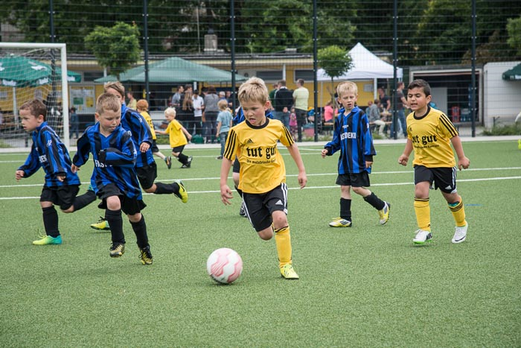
[
  {"x": 114, "y": 178},
  {"x": 48, "y": 152},
  {"x": 146, "y": 167},
  {"x": 353, "y": 138}
]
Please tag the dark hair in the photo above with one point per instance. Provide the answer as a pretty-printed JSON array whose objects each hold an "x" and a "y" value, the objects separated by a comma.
[
  {"x": 419, "y": 83},
  {"x": 36, "y": 107}
]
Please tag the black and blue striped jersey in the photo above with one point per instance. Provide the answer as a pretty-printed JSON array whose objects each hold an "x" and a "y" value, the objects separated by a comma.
[
  {"x": 352, "y": 137},
  {"x": 132, "y": 121},
  {"x": 50, "y": 153},
  {"x": 114, "y": 159}
]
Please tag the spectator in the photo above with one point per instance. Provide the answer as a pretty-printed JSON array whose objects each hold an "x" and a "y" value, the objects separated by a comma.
[
  {"x": 300, "y": 97},
  {"x": 283, "y": 103},
  {"x": 211, "y": 109}
]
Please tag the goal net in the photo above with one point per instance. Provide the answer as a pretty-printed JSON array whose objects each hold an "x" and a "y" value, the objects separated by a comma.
[{"x": 33, "y": 71}]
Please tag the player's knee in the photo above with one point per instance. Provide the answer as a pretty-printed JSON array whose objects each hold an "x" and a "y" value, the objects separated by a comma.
[
  {"x": 359, "y": 190},
  {"x": 280, "y": 220},
  {"x": 266, "y": 234},
  {"x": 67, "y": 210}
]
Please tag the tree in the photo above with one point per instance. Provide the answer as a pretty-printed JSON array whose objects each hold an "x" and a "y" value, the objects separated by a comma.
[
  {"x": 335, "y": 61},
  {"x": 514, "y": 34},
  {"x": 115, "y": 48}
]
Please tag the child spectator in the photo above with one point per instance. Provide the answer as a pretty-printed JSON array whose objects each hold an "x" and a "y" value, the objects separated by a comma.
[
  {"x": 293, "y": 123},
  {"x": 430, "y": 134},
  {"x": 254, "y": 142},
  {"x": 114, "y": 177},
  {"x": 353, "y": 138},
  {"x": 142, "y": 108},
  {"x": 48, "y": 152},
  {"x": 177, "y": 135},
  {"x": 224, "y": 123}
]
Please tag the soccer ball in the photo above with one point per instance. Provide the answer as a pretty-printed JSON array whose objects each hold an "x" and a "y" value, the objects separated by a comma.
[{"x": 224, "y": 265}]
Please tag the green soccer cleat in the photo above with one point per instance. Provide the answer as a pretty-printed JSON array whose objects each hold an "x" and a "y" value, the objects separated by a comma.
[
  {"x": 117, "y": 250},
  {"x": 181, "y": 194},
  {"x": 287, "y": 272},
  {"x": 384, "y": 213},
  {"x": 101, "y": 225},
  {"x": 48, "y": 240},
  {"x": 145, "y": 256},
  {"x": 339, "y": 222}
]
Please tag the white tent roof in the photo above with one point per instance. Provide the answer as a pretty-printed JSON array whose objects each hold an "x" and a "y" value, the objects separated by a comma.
[{"x": 365, "y": 66}]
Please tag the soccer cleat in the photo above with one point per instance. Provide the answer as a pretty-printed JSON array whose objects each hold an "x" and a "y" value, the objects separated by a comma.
[
  {"x": 461, "y": 234},
  {"x": 384, "y": 213},
  {"x": 181, "y": 194},
  {"x": 145, "y": 255},
  {"x": 287, "y": 272},
  {"x": 168, "y": 161},
  {"x": 48, "y": 240},
  {"x": 339, "y": 222},
  {"x": 219, "y": 157},
  {"x": 189, "y": 162},
  {"x": 101, "y": 225},
  {"x": 422, "y": 237},
  {"x": 117, "y": 250}
]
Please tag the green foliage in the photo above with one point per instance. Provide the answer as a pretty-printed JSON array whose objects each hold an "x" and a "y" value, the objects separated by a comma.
[
  {"x": 512, "y": 129},
  {"x": 116, "y": 48},
  {"x": 335, "y": 61},
  {"x": 514, "y": 34}
]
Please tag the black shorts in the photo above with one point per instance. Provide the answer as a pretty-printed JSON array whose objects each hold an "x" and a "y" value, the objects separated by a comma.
[
  {"x": 62, "y": 195},
  {"x": 129, "y": 206},
  {"x": 236, "y": 166},
  {"x": 178, "y": 149},
  {"x": 259, "y": 207},
  {"x": 147, "y": 175},
  {"x": 354, "y": 179},
  {"x": 154, "y": 147},
  {"x": 443, "y": 178}
]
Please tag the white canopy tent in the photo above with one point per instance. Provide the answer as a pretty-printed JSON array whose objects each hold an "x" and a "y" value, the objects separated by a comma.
[{"x": 366, "y": 66}]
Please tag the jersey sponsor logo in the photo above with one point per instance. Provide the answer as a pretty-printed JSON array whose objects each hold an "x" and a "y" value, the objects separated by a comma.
[
  {"x": 261, "y": 152},
  {"x": 348, "y": 135},
  {"x": 42, "y": 158},
  {"x": 424, "y": 140},
  {"x": 98, "y": 164}
]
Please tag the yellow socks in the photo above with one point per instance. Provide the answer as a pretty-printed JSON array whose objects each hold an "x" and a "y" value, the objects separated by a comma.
[
  {"x": 423, "y": 213},
  {"x": 458, "y": 211},
  {"x": 283, "y": 242}
]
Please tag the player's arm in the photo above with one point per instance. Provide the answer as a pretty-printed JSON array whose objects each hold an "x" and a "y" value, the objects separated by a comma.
[
  {"x": 295, "y": 154},
  {"x": 463, "y": 162},
  {"x": 404, "y": 158},
  {"x": 82, "y": 152},
  {"x": 31, "y": 165},
  {"x": 226, "y": 193},
  {"x": 188, "y": 135}
]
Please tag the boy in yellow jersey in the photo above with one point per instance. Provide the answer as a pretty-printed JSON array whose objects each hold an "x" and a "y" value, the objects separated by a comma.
[
  {"x": 430, "y": 133},
  {"x": 142, "y": 108},
  {"x": 177, "y": 137},
  {"x": 262, "y": 172}
]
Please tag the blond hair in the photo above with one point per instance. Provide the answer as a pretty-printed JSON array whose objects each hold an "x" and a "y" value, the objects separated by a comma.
[
  {"x": 345, "y": 87},
  {"x": 115, "y": 85},
  {"x": 253, "y": 90},
  {"x": 107, "y": 102},
  {"x": 170, "y": 111},
  {"x": 142, "y": 105},
  {"x": 223, "y": 105}
]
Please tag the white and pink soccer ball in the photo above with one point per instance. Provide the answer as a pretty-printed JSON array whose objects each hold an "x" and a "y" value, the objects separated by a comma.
[{"x": 224, "y": 265}]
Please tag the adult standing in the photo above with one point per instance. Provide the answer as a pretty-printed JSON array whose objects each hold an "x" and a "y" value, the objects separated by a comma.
[
  {"x": 300, "y": 98},
  {"x": 198, "y": 103},
  {"x": 211, "y": 110},
  {"x": 400, "y": 113},
  {"x": 131, "y": 101},
  {"x": 177, "y": 98},
  {"x": 74, "y": 120},
  {"x": 283, "y": 103}
]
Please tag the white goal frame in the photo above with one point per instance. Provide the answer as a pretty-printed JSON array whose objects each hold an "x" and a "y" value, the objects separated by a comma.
[{"x": 64, "y": 85}]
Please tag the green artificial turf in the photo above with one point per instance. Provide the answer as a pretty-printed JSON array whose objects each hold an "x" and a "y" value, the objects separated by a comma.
[{"x": 365, "y": 286}]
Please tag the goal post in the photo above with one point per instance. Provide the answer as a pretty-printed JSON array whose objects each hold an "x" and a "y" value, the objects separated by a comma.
[{"x": 33, "y": 71}]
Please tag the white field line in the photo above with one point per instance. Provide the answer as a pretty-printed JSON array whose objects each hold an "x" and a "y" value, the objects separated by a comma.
[{"x": 312, "y": 187}]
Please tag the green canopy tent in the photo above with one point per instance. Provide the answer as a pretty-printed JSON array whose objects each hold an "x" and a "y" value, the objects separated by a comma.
[
  {"x": 513, "y": 74},
  {"x": 174, "y": 70},
  {"x": 19, "y": 71}
]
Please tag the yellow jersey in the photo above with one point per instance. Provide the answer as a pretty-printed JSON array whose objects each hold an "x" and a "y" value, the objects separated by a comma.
[
  {"x": 147, "y": 118},
  {"x": 430, "y": 136},
  {"x": 175, "y": 134},
  {"x": 262, "y": 166}
]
